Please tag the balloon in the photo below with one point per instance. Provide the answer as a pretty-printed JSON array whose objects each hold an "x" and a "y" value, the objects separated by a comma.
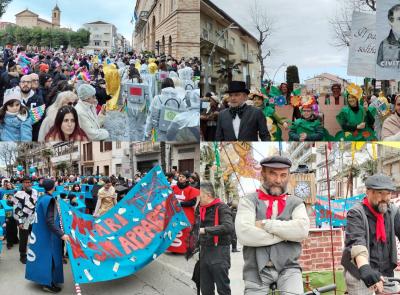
[{"x": 20, "y": 168}]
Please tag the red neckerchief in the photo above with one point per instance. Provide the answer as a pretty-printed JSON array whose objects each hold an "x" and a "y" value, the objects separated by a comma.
[
  {"x": 203, "y": 210},
  {"x": 380, "y": 222},
  {"x": 266, "y": 197}
]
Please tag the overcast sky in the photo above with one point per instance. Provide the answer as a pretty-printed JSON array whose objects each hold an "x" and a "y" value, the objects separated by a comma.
[
  {"x": 74, "y": 13},
  {"x": 302, "y": 35}
]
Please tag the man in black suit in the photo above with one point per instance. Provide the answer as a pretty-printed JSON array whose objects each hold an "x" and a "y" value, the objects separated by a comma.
[{"x": 241, "y": 122}]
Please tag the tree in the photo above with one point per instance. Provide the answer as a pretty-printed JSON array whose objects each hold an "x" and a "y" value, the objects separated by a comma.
[
  {"x": 341, "y": 23},
  {"x": 8, "y": 153},
  {"x": 47, "y": 154},
  {"x": 263, "y": 25},
  {"x": 292, "y": 76},
  {"x": 226, "y": 70},
  {"x": 61, "y": 167},
  {"x": 23, "y": 35},
  {"x": 3, "y": 6}
]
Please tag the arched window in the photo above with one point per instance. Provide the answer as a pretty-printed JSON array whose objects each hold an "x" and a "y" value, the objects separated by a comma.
[{"x": 170, "y": 46}]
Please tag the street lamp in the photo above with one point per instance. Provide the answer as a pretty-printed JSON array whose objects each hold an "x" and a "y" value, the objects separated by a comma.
[
  {"x": 276, "y": 72},
  {"x": 206, "y": 74}
]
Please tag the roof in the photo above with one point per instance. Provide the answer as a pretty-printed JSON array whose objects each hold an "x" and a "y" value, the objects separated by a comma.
[
  {"x": 99, "y": 23},
  {"x": 56, "y": 8},
  {"x": 327, "y": 76},
  {"x": 26, "y": 10},
  {"x": 229, "y": 18},
  {"x": 44, "y": 21}
]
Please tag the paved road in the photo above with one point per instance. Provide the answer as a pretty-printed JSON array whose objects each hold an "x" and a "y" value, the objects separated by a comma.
[{"x": 169, "y": 274}]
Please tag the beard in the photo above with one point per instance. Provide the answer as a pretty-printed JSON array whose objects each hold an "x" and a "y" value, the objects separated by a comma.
[
  {"x": 25, "y": 91},
  {"x": 273, "y": 189},
  {"x": 381, "y": 207}
]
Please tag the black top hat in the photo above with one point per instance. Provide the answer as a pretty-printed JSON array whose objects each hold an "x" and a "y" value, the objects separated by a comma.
[{"x": 237, "y": 86}]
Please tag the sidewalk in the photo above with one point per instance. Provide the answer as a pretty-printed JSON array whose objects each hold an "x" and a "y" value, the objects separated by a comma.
[{"x": 168, "y": 274}]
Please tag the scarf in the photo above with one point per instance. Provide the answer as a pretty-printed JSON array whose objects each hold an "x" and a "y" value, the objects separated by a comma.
[
  {"x": 266, "y": 197},
  {"x": 203, "y": 210},
  {"x": 380, "y": 222},
  {"x": 237, "y": 111},
  {"x": 182, "y": 185}
]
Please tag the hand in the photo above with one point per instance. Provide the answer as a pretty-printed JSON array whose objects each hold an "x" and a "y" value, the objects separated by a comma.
[
  {"x": 361, "y": 126},
  {"x": 369, "y": 276},
  {"x": 21, "y": 226},
  {"x": 65, "y": 238},
  {"x": 202, "y": 231},
  {"x": 103, "y": 109},
  {"x": 259, "y": 224},
  {"x": 303, "y": 136},
  {"x": 285, "y": 125},
  {"x": 378, "y": 287}
]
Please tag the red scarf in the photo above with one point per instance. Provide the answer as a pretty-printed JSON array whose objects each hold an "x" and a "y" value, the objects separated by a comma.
[
  {"x": 203, "y": 210},
  {"x": 266, "y": 197},
  {"x": 380, "y": 222}
]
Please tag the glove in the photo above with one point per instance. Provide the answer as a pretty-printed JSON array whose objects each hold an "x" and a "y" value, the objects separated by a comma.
[{"x": 369, "y": 276}]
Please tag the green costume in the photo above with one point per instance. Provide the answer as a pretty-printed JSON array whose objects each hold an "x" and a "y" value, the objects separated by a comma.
[
  {"x": 269, "y": 112},
  {"x": 348, "y": 120},
  {"x": 313, "y": 129}
]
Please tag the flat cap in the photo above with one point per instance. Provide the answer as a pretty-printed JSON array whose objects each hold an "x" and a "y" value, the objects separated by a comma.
[
  {"x": 380, "y": 182},
  {"x": 276, "y": 162}
]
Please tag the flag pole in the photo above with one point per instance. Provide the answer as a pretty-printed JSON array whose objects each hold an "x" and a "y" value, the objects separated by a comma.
[
  {"x": 330, "y": 213},
  {"x": 77, "y": 287}
]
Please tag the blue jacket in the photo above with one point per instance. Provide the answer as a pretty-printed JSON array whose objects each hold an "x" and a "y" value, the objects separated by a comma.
[{"x": 15, "y": 129}]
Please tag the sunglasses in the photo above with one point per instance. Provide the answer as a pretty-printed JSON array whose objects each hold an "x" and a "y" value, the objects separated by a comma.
[{"x": 73, "y": 103}]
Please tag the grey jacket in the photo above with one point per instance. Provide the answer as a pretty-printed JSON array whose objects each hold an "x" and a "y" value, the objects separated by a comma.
[
  {"x": 282, "y": 255},
  {"x": 357, "y": 211}
]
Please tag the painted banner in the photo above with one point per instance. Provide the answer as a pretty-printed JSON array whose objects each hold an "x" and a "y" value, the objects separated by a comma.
[
  {"x": 362, "y": 51},
  {"x": 387, "y": 39},
  {"x": 339, "y": 209},
  {"x": 129, "y": 236}
]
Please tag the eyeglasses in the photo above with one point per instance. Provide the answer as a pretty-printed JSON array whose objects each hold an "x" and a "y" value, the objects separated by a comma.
[
  {"x": 73, "y": 103},
  {"x": 26, "y": 82},
  {"x": 35, "y": 81}
]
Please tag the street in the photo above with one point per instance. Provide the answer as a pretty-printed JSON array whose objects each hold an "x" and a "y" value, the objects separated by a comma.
[
  {"x": 167, "y": 275},
  {"x": 235, "y": 273}
]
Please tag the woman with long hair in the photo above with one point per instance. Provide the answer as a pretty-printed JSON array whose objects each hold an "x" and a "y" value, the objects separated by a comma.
[
  {"x": 63, "y": 99},
  {"x": 66, "y": 126}
]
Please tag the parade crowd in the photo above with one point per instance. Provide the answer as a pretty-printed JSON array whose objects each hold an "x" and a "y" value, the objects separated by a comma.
[
  {"x": 71, "y": 96},
  {"x": 254, "y": 115},
  {"x": 34, "y": 198}
]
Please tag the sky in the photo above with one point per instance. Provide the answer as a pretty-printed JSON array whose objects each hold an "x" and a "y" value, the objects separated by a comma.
[
  {"x": 302, "y": 36},
  {"x": 75, "y": 13}
]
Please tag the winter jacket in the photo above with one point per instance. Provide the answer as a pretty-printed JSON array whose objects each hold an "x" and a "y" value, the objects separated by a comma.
[
  {"x": 90, "y": 122},
  {"x": 16, "y": 128}
]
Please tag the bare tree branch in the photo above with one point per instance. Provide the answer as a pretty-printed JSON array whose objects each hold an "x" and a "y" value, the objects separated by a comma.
[
  {"x": 264, "y": 26},
  {"x": 341, "y": 23}
]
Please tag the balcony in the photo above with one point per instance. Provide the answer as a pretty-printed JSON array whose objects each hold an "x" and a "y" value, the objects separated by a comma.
[
  {"x": 141, "y": 148},
  {"x": 142, "y": 21},
  {"x": 247, "y": 58}
]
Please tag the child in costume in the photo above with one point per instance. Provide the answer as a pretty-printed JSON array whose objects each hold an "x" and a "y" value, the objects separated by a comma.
[
  {"x": 15, "y": 122},
  {"x": 308, "y": 127},
  {"x": 274, "y": 121},
  {"x": 356, "y": 121}
]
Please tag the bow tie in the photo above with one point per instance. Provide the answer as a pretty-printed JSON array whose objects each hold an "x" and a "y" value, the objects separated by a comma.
[{"x": 237, "y": 111}]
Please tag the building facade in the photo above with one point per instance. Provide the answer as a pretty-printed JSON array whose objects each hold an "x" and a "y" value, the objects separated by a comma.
[
  {"x": 171, "y": 27},
  {"x": 27, "y": 18},
  {"x": 322, "y": 83},
  {"x": 234, "y": 47},
  {"x": 103, "y": 36}
]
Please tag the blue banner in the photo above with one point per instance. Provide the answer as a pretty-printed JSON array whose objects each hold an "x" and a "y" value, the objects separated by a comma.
[
  {"x": 339, "y": 209},
  {"x": 128, "y": 237}
]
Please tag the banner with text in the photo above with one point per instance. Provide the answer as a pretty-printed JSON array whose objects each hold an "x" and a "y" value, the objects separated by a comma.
[
  {"x": 362, "y": 51},
  {"x": 339, "y": 209},
  {"x": 387, "y": 39},
  {"x": 129, "y": 236}
]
